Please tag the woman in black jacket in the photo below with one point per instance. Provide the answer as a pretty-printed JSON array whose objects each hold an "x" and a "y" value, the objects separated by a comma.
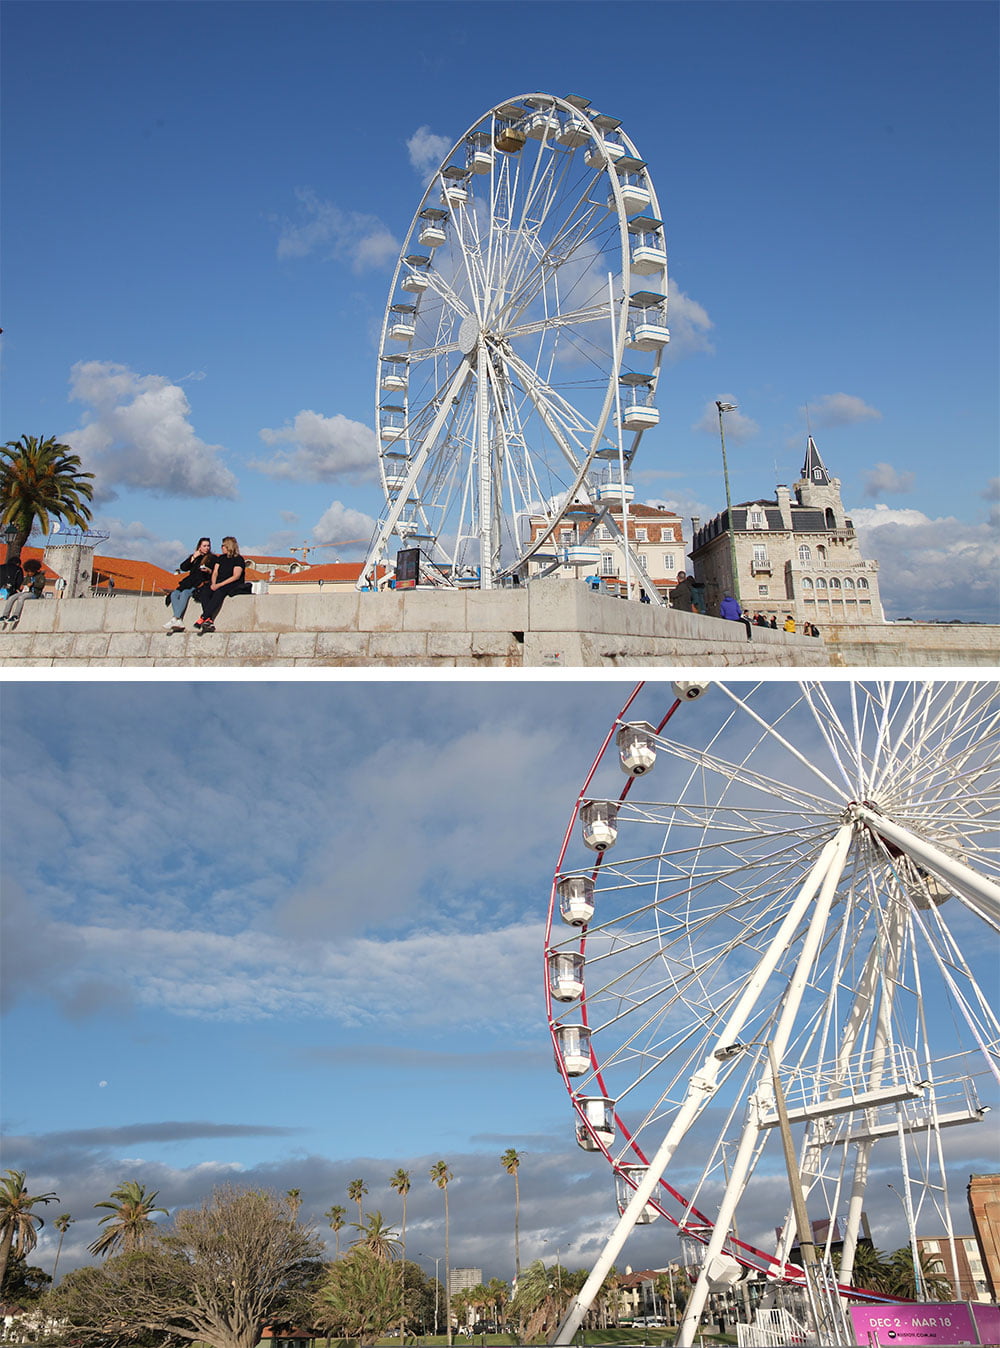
[
  {"x": 228, "y": 577},
  {"x": 194, "y": 572}
]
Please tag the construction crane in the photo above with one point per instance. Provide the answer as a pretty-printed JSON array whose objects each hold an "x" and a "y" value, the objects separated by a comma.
[{"x": 306, "y": 548}]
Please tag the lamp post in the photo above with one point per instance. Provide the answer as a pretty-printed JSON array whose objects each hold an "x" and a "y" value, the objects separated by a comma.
[
  {"x": 911, "y": 1232},
  {"x": 437, "y": 1285},
  {"x": 729, "y": 407}
]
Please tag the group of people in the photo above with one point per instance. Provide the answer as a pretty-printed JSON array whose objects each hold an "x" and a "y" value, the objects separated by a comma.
[
  {"x": 730, "y": 608},
  {"x": 209, "y": 578},
  {"x": 17, "y": 586}
]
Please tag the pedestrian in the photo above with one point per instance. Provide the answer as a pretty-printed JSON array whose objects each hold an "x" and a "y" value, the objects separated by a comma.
[
  {"x": 227, "y": 579},
  {"x": 815, "y": 630},
  {"x": 194, "y": 572},
  {"x": 11, "y": 578},
  {"x": 730, "y": 609},
  {"x": 774, "y": 622},
  {"x": 698, "y": 595},
  {"x": 681, "y": 595},
  {"x": 789, "y": 623},
  {"x": 32, "y": 587}
]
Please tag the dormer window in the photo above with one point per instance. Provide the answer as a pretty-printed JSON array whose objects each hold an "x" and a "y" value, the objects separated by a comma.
[{"x": 757, "y": 519}]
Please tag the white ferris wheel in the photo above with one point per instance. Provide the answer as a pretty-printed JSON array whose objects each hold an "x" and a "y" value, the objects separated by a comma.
[
  {"x": 521, "y": 346},
  {"x": 790, "y": 906}
]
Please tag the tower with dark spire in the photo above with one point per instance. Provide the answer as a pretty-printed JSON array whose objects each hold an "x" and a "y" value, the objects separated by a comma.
[{"x": 817, "y": 490}]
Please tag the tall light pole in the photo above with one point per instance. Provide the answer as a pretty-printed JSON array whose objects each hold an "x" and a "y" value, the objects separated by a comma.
[
  {"x": 729, "y": 407},
  {"x": 437, "y": 1285}
]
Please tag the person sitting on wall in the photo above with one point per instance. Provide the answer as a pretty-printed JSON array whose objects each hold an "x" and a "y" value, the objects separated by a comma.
[
  {"x": 194, "y": 572},
  {"x": 32, "y": 587},
  {"x": 681, "y": 595},
  {"x": 789, "y": 623},
  {"x": 729, "y": 608},
  {"x": 227, "y": 579}
]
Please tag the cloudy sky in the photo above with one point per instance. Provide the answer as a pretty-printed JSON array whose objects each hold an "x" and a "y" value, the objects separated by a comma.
[
  {"x": 292, "y": 934},
  {"x": 204, "y": 211}
]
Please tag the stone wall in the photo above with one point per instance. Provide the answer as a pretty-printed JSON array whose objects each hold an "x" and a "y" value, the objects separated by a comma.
[
  {"x": 552, "y": 623},
  {"x": 919, "y": 645}
]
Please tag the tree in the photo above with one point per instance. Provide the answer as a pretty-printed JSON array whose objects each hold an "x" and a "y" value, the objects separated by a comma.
[
  {"x": 400, "y": 1181},
  {"x": 40, "y": 480},
  {"x": 538, "y": 1301},
  {"x": 130, "y": 1217},
  {"x": 510, "y": 1161},
  {"x": 17, "y": 1221},
  {"x": 379, "y": 1239},
  {"x": 223, "y": 1272},
  {"x": 335, "y": 1216},
  {"x": 360, "y": 1298},
  {"x": 24, "y": 1284},
  {"x": 62, "y": 1224},
  {"x": 440, "y": 1174},
  {"x": 294, "y": 1197},
  {"x": 497, "y": 1293},
  {"x": 902, "y": 1282},
  {"x": 356, "y": 1191}
]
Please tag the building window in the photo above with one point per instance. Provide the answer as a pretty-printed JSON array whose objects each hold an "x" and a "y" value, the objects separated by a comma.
[
  {"x": 820, "y": 583},
  {"x": 805, "y": 552},
  {"x": 807, "y": 582},
  {"x": 668, "y": 561},
  {"x": 760, "y": 552},
  {"x": 643, "y": 561},
  {"x": 848, "y": 583},
  {"x": 834, "y": 583},
  {"x": 762, "y": 591},
  {"x": 862, "y": 583},
  {"x": 642, "y": 535},
  {"x": 608, "y": 564},
  {"x": 566, "y": 535},
  {"x": 603, "y": 532},
  {"x": 757, "y": 519}
]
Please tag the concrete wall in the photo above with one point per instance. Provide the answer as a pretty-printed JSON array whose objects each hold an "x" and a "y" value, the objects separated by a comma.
[
  {"x": 552, "y": 623},
  {"x": 921, "y": 645}
]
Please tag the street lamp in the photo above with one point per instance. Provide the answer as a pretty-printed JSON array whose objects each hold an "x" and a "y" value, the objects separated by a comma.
[
  {"x": 918, "y": 1280},
  {"x": 437, "y": 1285},
  {"x": 729, "y": 407}
]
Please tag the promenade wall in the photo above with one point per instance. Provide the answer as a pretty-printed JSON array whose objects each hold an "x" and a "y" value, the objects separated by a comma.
[{"x": 550, "y": 624}]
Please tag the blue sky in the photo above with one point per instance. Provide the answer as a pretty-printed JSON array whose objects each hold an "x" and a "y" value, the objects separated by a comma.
[
  {"x": 203, "y": 211},
  {"x": 292, "y": 934}
]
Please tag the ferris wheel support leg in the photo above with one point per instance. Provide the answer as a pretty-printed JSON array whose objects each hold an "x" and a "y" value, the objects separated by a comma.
[
  {"x": 981, "y": 893},
  {"x": 768, "y": 1091},
  {"x": 703, "y": 1085},
  {"x": 419, "y": 459}
]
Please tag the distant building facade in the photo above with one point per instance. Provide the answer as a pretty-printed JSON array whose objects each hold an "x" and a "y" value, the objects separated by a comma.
[
  {"x": 984, "y": 1208},
  {"x": 797, "y": 554},
  {"x": 965, "y": 1271},
  {"x": 655, "y": 537},
  {"x": 461, "y": 1279}
]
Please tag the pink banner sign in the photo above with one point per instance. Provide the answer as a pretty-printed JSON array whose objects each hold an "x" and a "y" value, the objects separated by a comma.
[{"x": 910, "y": 1324}]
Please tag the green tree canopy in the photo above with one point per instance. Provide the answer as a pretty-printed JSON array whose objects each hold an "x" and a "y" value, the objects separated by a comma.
[
  {"x": 41, "y": 481},
  {"x": 218, "y": 1276},
  {"x": 360, "y": 1298}
]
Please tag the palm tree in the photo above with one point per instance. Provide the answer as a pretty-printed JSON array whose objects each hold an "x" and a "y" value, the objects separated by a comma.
[
  {"x": 440, "y": 1174},
  {"x": 40, "y": 480},
  {"x": 335, "y": 1216},
  {"x": 510, "y": 1161},
  {"x": 294, "y": 1197},
  {"x": 130, "y": 1218},
  {"x": 379, "y": 1239},
  {"x": 62, "y": 1224},
  {"x": 17, "y": 1221},
  {"x": 496, "y": 1291},
  {"x": 400, "y": 1181},
  {"x": 356, "y": 1191}
]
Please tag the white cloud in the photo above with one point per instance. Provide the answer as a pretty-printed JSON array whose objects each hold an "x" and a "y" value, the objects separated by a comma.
[
  {"x": 689, "y": 325},
  {"x": 324, "y": 448},
  {"x": 839, "y": 409},
  {"x": 133, "y": 539},
  {"x": 934, "y": 569},
  {"x": 427, "y": 150},
  {"x": 339, "y": 523},
  {"x": 739, "y": 427},
  {"x": 137, "y": 433},
  {"x": 883, "y": 479},
  {"x": 345, "y": 236}
]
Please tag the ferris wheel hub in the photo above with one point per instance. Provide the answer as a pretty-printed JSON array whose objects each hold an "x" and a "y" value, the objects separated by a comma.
[{"x": 468, "y": 334}]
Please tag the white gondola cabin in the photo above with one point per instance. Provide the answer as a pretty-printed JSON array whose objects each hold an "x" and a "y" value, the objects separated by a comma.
[
  {"x": 403, "y": 323},
  {"x": 566, "y": 975},
  {"x": 647, "y": 325},
  {"x": 596, "y": 1125},
  {"x": 453, "y": 189},
  {"x": 479, "y": 153},
  {"x": 432, "y": 232},
  {"x": 573, "y": 1042},
  {"x": 393, "y": 378},
  {"x": 648, "y": 250},
  {"x": 626, "y": 1179},
  {"x": 636, "y": 748},
  {"x": 599, "y": 819},
  {"x": 576, "y": 899},
  {"x": 580, "y": 554},
  {"x": 611, "y": 488}
]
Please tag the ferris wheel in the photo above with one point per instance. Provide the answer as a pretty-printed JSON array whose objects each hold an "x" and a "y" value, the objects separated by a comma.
[
  {"x": 782, "y": 924},
  {"x": 521, "y": 345}
]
